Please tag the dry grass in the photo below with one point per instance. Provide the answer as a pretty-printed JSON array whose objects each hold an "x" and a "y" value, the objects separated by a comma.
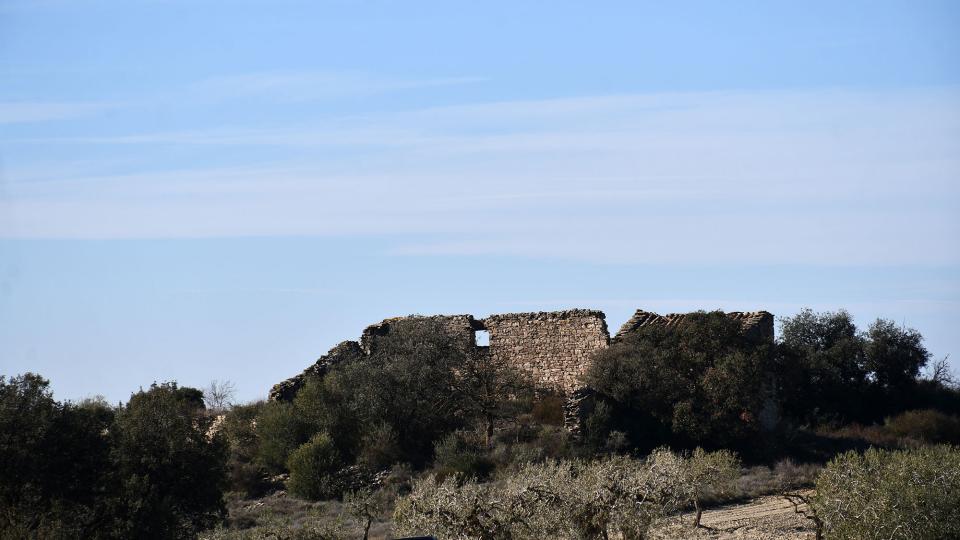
[
  {"x": 761, "y": 480},
  {"x": 280, "y": 517}
]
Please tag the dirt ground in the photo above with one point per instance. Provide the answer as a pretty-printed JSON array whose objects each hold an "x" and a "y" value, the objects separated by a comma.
[{"x": 764, "y": 518}]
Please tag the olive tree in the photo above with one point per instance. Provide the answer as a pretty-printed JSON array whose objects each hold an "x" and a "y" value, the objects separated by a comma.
[
  {"x": 900, "y": 494},
  {"x": 714, "y": 472},
  {"x": 560, "y": 499},
  {"x": 700, "y": 381}
]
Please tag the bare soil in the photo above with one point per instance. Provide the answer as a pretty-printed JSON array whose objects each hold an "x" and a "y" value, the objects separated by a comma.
[{"x": 763, "y": 518}]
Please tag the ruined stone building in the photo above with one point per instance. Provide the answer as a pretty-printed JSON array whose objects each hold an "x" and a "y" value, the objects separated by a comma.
[{"x": 554, "y": 348}]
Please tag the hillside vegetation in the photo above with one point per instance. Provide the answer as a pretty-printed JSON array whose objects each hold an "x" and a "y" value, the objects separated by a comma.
[{"x": 428, "y": 438}]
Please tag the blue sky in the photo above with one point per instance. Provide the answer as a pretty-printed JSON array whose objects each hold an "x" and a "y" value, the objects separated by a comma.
[{"x": 194, "y": 190}]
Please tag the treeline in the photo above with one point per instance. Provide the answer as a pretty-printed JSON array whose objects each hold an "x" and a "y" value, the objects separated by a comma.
[
  {"x": 890, "y": 495},
  {"x": 703, "y": 383},
  {"x": 147, "y": 469},
  {"x": 158, "y": 466}
]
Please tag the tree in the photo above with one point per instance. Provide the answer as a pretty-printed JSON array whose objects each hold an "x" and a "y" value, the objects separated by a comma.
[
  {"x": 821, "y": 371},
  {"x": 894, "y": 355},
  {"x": 172, "y": 474},
  {"x": 218, "y": 395},
  {"x": 900, "y": 494},
  {"x": 491, "y": 389},
  {"x": 560, "y": 499},
  {"x": 714, "y": 471},
  {"x": 280, "y": 429},
  {"x": 313, "y": 469},
  {"x": 55, "y": 474},
  {"x": 941, "y": 374},
  {"x": 367, "y": 505},
  {"x": 700, "y": 381},
  {"x": 408, "y": 384}
]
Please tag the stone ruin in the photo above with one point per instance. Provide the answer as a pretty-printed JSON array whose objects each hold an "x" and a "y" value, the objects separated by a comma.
[{"x": 554, "y": 348}]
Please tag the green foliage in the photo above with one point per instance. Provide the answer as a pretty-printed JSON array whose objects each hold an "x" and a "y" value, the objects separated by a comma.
[
  {"x": 313, "y": 469},
  {"x": 238, "y": 427},
  {"x": 280, "y": 529},
  {"x": 829, "y": 372},
  {"x": 548, "y": 410},
  {"x": 490, "y": 389},
  {"x": 559, "y": 499},
  {"x": 709, "y": 472},
  {"x": 380, "y": 448},
  {"x": 409, "y": 384},
  {"x": 55, "y": 472},
  {"x": 928, "y": 426},
  {"x": 366, "y": 506},
  {"x": 822, "y": 369},
  {"x": 701, "y": 381},
  {"x": 900, "y": 494},
  {"x": 894, "y": 354},
  {"x": 598, "y": 425},
  {"x": 453, "y": 455},
  {"x": 172, "y": 474},
  {"x": 280, "y": 429},
  {"x": 90, "y": 471}
]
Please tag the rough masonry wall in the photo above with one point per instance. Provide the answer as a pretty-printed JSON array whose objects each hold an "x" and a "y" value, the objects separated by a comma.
[
  {"x": 460, "y": 328},
  {"x": 754, "y": 325},
  {"x": 554, "y": 347}
]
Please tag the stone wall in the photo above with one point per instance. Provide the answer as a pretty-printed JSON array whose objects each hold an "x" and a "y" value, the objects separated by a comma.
[
  {"x": 458, "y": 327},
  {"x": 755, "y": 325},
  {"x": 343, "y": 352},
  {"x": 555, "y": 348}
]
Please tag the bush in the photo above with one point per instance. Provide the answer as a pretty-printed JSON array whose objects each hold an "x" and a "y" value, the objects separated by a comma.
[
  {"x": 455, "y": 456},
  {"x": 548, "y": 410},
  {"x": 144, "y": 470},
  {"x": 566, "y": 499},
  {"x": 760, "y": 480},
  {"x": 313, "y": 469},
  {"x": 898, "y": 494},
  {"x": 927, "y": 425},
  {"x": 56, "y": 478},
  {"x": 408, "y": 383},
  {"x": 709, "y": 472},
  {"x": 380, "y": 448},
  {"x": 172, "y": 474},
  {"x": 280, "y": 430},
  {"x": 245, "y": 474},
  {"x": 697, "y": 382}
]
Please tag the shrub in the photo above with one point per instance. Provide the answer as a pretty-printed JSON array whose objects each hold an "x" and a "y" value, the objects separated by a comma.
[
  {"x": 927, "y": 425},
  {"x": 55, "y": 465},
  {"x": 245, "y": 474},
  {"x": 172, "y": 473},
  {"x": 455, "y": 456},
  {"x": 380, "y": 447},
  {"x": 699, "y": 381},
  {"x": 408, "y": 383},
  {"x": 548, "y": 410},
  {"x": 890, "y": 494},
  {"x": 313, "y": 469},
  {"x": 709, "y": 472},
  {"x": 566, "y": 499},
  {"x": 280, "y": 430}
]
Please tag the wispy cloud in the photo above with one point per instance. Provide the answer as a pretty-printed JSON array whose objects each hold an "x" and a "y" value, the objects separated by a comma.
[
  {"x": 300, "y": 86},
  {"x": 825, "y": 177},
  {"x": 292, "y": 87},
  {"x": 19, "y": 112}
]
